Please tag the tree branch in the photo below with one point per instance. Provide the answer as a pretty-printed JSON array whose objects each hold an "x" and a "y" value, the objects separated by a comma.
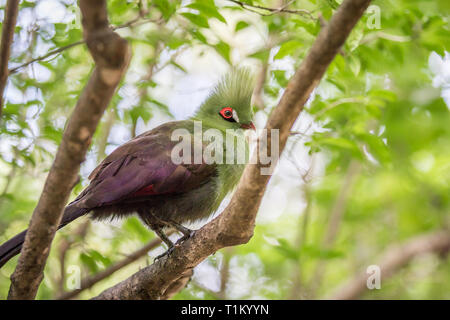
[
  {"x": 9, "y": 24},
  {"x": 394, "y": 259},
  {"x": 111, "y": 55},
  {"x": 235, "y": 225}
]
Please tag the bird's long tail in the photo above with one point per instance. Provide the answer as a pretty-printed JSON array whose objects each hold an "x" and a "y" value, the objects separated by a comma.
[{"x": 13, "y": 246}]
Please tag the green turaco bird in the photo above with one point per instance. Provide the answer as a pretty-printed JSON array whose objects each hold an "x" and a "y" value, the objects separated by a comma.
[{"x": 140, "y": 177}]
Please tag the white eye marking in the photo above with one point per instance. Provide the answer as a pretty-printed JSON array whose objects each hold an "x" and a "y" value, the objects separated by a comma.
[{"x": 235, "y": 116}]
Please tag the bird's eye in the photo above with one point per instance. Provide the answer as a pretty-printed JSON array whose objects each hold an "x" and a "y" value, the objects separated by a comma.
[{"x": 227, "y": 114}]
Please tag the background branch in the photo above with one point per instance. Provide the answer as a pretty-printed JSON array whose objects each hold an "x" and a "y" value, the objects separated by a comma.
[
  {"x": 92, "y": 280},
  {"x": 272, "y": 11},
  {"x": 394, "y": 259},
  {"x": 258, "y": 92},
  {"x": 335, "y": 220},
  {"x": 64, "y": 246},
  {"x": 132, "y": 23},
  {"x": 45, "y": 56},
  {"x": 111, "y": 55},
  {"x": 8, "y": 26},
  {"x": 235, "y": 225}
]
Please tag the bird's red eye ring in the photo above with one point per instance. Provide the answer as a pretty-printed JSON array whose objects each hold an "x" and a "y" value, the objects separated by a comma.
[{"x": 226, "y": 113}]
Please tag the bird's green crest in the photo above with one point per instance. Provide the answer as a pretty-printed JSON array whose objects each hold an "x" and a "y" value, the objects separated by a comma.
[{"x": 234, "y": 90}]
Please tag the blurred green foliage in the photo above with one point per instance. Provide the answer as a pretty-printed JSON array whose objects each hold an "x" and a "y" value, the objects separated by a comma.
[{"x": 382, "y": 135}]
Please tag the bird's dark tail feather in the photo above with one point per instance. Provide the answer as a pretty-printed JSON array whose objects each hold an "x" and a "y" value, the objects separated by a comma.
[{"x": 13, "y": 246}]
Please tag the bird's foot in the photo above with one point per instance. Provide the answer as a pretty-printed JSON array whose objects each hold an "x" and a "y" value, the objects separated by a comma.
[
  {"x": 187, "y": 233},
  {"x": 185, "y": 236},
  {"x": 180, "y": 228},
  {"x": 168, "y": 252}
]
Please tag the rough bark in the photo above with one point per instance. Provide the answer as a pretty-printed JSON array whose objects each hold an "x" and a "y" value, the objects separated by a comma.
[
  {"x": 394, "y": 259},
  {"x": 235, "y": 225},
  {"x": 111, "y": 55},
  {"x": 11, "y": 11}
]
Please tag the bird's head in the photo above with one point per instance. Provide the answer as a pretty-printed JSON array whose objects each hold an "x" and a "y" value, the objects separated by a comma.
[{"x": 228, "y": 105}]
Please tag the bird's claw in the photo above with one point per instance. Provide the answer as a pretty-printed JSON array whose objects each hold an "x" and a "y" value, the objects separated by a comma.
[
  {"x": 185, "y": 237},
  {"x": 168, "y": 252}
]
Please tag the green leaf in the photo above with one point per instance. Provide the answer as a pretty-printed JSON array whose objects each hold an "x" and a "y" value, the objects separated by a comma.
[
  {"x": 135, "y": 227},
  {"x": 196, "y": 19},
  {"x": 262, "y": 55},
  {"x": 89, "y": 262},
  {"x": 280, "y": 76},
  {"x": 199, "y": 36},
  {"x": 161, "y": 106},
  {"x": 224, "y": 50},
  {"x": 12, "y": 108},
  {"x": 207, "y": 9},
  {"x": 166, "y": 8},
  {"x": 386, "y": 95},
  {"x": 340, "y": 143},
  {"x": 29, "y": 158},
  {"x": 287, "y": 250},
  {"x": 140, "y": 112},
  {"x": 310, "y": 27},
  {"x": 175, "y": 42},
  {"x": 287, "y": 48},
  {"x": 178, "y": 66},
  {"x": 354, "y": 64},
  {"x": 377, "y": 147},
  {"x": 320, "y": 253},
  {"x": 97, "y": 256},
  {"x": 316, "y": 106},
  {"x": 52, "y": 133},
  {"x": 241, "y": 25},
  {"x": 27, "y": 4},
  {"x": 373, "y": 110}
]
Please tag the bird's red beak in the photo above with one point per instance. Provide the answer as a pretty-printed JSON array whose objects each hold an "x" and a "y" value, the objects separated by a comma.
[{"x": 249, "y": 125}]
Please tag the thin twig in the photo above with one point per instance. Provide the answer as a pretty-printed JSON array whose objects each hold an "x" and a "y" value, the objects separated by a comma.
[
  {"x": 339, "y": 102},
  {"x": 94, "y": 279},
  {"x": 45, "y": 56},
  {"x": 383, "y": 35},
  {"x": 132, "y": 23},
  {"x": 65, "y": 245},
  {"x": 258, "y": 92},
  {"x": 103, "y": 139},
  {"x": 225, "y": 272},
  {"x": 272, "y": 11}
]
